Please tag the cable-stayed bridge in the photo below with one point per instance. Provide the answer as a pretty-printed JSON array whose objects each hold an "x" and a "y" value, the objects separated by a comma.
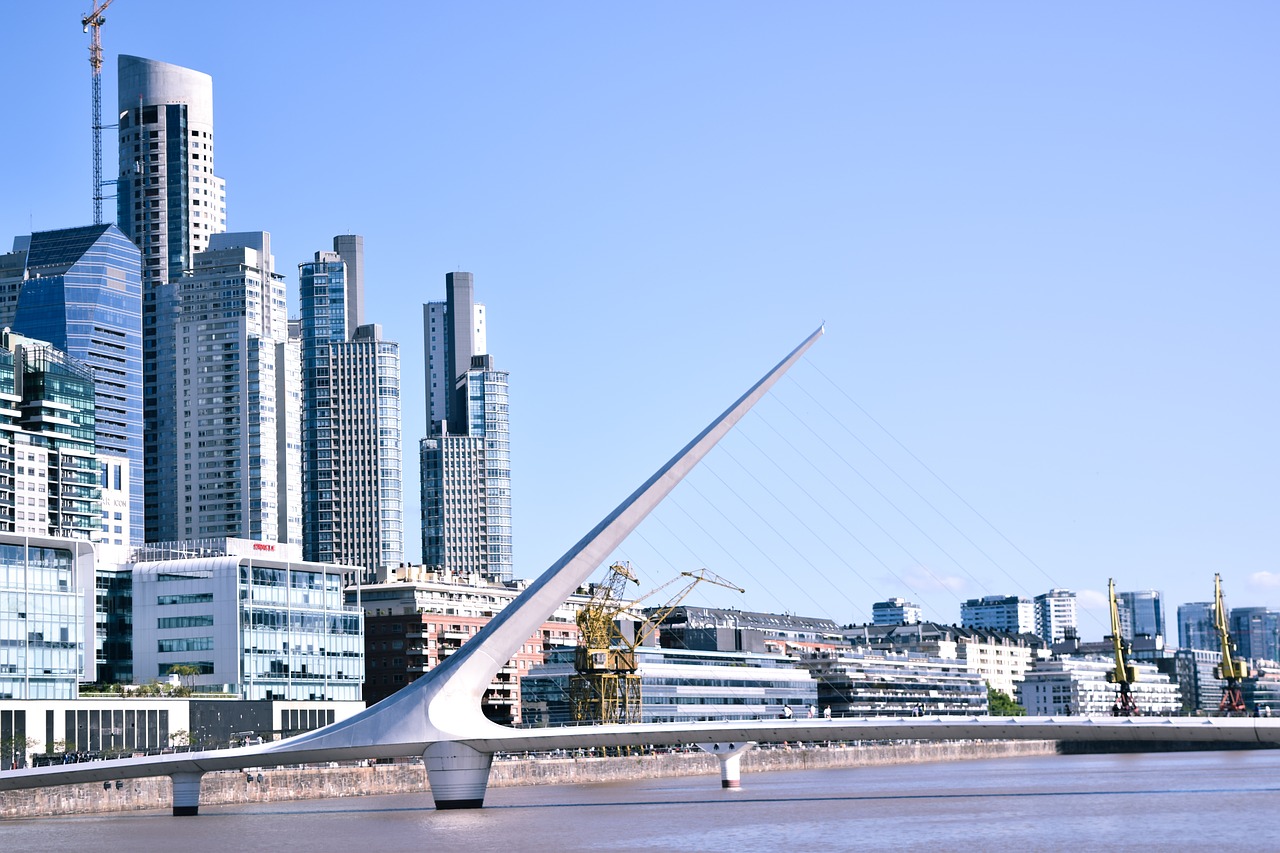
[{"x": 439, "y": 716}]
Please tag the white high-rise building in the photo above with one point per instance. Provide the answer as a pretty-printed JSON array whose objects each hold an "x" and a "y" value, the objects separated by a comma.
[
  {"x": 896, "y": 611},
  {"x": 440, "y": 335},
  {"x": 170, "y": 204},
  {"x": 1000, "y": 612},
  {"x": 228, "y": 329},
  {"x": 466, "y": 458},
  {"x": 1055, "y": 613}
]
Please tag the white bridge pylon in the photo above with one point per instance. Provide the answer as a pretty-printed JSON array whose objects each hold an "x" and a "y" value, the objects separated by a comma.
[{"x": 439, "y": 716}]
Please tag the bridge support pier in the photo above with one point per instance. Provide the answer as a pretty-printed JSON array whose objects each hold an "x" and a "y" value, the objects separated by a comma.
[
  {"x": 186, "y": 792},
  {"x": 458, "y": 775},
  {"x": 730, "y": 755}
]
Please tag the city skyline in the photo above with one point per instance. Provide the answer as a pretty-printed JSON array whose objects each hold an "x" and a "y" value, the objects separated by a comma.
[{"x": 1040, "y": 250}]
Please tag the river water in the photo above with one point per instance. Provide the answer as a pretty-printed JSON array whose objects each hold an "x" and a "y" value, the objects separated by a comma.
[{"x": 1153, "y": 802}]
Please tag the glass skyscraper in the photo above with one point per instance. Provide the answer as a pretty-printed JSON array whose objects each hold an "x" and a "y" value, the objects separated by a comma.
[
  {"x": 80, "y": 290},
  {"x": 466, "y": 459},
  {"x": 1195, "y": 627},
  {"x": 170, "y": 204},
  {"x": 351, "y": 434},
  {"x": 1141, "y": 612}
]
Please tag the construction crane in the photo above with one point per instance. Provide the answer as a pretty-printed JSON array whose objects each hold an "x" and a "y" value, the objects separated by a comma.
[
  {"x": 1124, "y": 674},
  {"x": 605, "y": 687},
  {"x": 1232, "y": 670},
  {"x": 92, "y": 24}
]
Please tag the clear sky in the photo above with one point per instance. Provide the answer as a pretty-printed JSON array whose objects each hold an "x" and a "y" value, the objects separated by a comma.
[{"x": 1042, "y": 237}]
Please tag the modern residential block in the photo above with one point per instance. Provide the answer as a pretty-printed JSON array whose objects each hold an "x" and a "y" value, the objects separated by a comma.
[
  {"x": 1056, "y": 615},
  {"x": 466, "y": 460},
  {"x": 1001, "y": 612},
  {"x": 896, "y": 611},
  {"x": 351, "y": 433},
  {"x": 169, "y": 203},
  {"x": 223, "y": 431}
]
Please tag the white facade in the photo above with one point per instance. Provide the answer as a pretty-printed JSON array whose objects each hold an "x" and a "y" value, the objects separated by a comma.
[
  {"x": 1055, "y": 613},
  {"x": 435, "y": 338},
  {"x": 229, "y": 427},
  {"x": 289, "y": 443},
  {"x": 162, "y": 148},
  {"x": 896, "y": 611},
  {"x": 259, "y": 625},
  {"x": 999, "y": 612},
  {"x": 364, "y": 411},
  {"x": 1079, "y": 686}
]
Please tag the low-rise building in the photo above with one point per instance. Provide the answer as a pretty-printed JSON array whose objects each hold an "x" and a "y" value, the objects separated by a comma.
[
  {"x": 999, "y": 657},
  {"x": 98, "y": 726},
  {"x": 247, "y": 618},
  {"x": 714, "y": 629},
  {"x": 1198, "y": 684},
  {"x": 1070, "y": 686},
  {"x": 874, "y": 683},
  {"x": 42, "y": 619},
  {"x": 682, "y": 685},
  {"x": 415, "y": 618}
]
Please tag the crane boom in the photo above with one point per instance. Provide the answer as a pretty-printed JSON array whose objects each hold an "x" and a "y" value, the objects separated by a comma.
[
  {"x": 1232, "y": 670},
  {"x": 605, "y": 687},
  {"x": 1124, "y": 674},
  {"x": 92, "y": 24}
]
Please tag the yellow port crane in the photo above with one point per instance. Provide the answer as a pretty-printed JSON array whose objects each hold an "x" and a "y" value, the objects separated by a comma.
[
  {"x": 92, "y": 24},
  {"x": 1232, "y": 670},
  {"x": 605, "y": 687},
  {"x": 1124, "y": 674}
]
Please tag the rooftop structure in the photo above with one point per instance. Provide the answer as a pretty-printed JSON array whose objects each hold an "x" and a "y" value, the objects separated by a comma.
[{"x": 714, "y": 629}]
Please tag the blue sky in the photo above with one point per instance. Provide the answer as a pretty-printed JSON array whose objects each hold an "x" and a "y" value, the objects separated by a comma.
[{"x": 1042, "y": 238}]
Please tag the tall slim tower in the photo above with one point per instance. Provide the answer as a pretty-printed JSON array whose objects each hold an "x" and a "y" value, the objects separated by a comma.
[
  {"x": 438, "y": 337},
  {"x": 170, "y": 203},
  {"x": 466, "y": 459},
  {"x": 1055, "y": 613},
  {"x": 350, "y": 247},
  {"x": 222, "y": 434},
  {"x": 1141, "y": 612},
  {"x": 1195, "y": 626},
  {"x": 80, "y": 290},
  {"x": 351, "y": 446}
]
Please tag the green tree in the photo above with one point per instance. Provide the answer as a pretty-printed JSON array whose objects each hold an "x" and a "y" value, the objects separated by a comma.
[
  {"x": 186, "y": 676},
  {"x": 1001, "y": 704}
]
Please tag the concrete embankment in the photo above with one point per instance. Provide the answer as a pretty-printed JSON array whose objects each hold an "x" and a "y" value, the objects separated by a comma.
[{"x": 280, "y": 785}]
